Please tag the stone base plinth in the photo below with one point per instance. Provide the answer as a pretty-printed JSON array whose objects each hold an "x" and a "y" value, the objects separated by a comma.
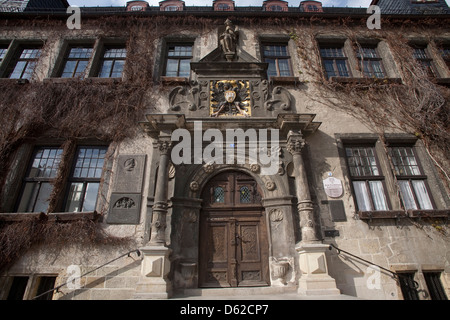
[
  {"x": 155, "y": 267},
  {"x": 315, "y": 279}
]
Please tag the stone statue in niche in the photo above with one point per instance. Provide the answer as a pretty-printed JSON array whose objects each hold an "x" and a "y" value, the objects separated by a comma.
[
  {"x": 230, "y": 98},
  {"x": 228, "y": 40}
]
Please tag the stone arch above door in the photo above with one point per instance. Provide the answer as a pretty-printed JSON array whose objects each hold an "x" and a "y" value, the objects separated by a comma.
[{"x": 271, "y": 186}]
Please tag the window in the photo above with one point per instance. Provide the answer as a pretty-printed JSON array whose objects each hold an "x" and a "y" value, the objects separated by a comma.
[
  {"x": 45, "y": 284},
  {"x": 312, "y": 8},
  {"x": 434, "y": 286},
  {"x": 421, "y": 55},
  {"x": 85, "y": 179},
  {"x": 219, "y": 195},
  {"x": 113, "y": 62},
  {"x": 370, "y": 62},
  {"x": 3, "y": 50},
  {"x": 83, "y": 182},
  {"x": 277, "y": 56},
  {"x": 76, "y": 62},
  {"x": 178, "y": 62},
  {"x": 367, "y": 179},
  {"x": 408, "y": 286},
  {"x": 18, "y": 287},
  {"x": 245, "y": 195},
  {"x": 445, "y": 51},
  {"x": 223, "y": 6},
  {"x": 334, "y": 60},
  {"x": 275, "y": 8},
  {"x": 23, "y": 65},
  {"x": 37, "y": 187},
  {"x": 24, "y": 287},
  {"x": 412, "y": 182},
  {"x": 171, "y": 8}
]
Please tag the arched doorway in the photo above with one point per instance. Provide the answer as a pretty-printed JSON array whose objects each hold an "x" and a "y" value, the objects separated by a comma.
[{"x": 233, "y": 243}]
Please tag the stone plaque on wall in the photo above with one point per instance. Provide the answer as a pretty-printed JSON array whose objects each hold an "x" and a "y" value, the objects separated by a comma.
[
  {"x": 130, "y": 173},
  {"x": 125, "y": 208}
]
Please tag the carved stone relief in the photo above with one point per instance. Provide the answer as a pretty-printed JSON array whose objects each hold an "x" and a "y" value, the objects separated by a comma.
[
  {"x": 184, "y": 97},
  {"x": 281, "y": 99},
  {"x": 230, "y": 98}
]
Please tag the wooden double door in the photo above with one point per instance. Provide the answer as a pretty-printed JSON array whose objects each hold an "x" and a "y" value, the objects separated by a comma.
[{"x": 233, "y": 250}]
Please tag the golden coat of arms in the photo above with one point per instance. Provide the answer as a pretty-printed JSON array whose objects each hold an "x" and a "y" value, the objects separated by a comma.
[{"x": 230, "y": 98}]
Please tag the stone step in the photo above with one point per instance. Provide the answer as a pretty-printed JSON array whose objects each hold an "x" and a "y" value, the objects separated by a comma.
[{"x": 239, "y": 293}]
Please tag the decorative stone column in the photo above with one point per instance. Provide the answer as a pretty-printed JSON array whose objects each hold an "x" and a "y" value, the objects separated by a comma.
[
  {"x": 155, "y": 267},
  {"x": 314, "y": 279},
  {"x": 295, "y": 145},
  {"x": 158, "y": 233}
]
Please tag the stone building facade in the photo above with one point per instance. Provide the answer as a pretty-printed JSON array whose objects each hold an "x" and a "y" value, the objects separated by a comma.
[{"x": 250, "y": 168}]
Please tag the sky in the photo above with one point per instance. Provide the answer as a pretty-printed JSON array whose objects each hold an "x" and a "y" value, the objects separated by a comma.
[
  {"x": 326, "y": 3},
  {"x": 293, "y": 3}
]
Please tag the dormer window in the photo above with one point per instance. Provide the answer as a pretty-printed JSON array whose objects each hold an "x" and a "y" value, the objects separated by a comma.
[
  {"x": 171, "y": 8},
  {"x": 223, "y": 5},
  {"x": 137, "y": 5},
  {"x": 171, "y": 5},
  {"x": 311, "y": 6},
  {"x": 275, "y": 5}
]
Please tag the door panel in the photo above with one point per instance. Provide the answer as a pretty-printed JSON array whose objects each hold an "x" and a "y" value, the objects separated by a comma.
[
  {"x": 215, "y": 250},
  {"x": 233, "y": 248}
]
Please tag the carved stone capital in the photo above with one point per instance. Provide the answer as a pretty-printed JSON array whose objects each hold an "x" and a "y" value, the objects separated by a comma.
[
  {"x": 164, "y": 147},
  {"x": 295, "y": 145}
]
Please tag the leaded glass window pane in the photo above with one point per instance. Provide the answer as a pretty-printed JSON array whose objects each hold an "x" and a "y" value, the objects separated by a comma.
[
  {"x": 219, "y": 195},
  {"x": 245, "y": 195}
]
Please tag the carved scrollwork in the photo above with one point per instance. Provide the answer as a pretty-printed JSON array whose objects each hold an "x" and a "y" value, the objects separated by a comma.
[
  {"x": 270, "y": 185},
  {"x": 280, "y": 99},
  {"x": 276, "y": 215},
  {"x": 184, "y": 97}
]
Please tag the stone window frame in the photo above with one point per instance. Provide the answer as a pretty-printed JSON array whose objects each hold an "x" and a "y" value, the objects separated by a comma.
[
  {"x": 97, "y": 57},
  {"x": 22, "y": 160},
  {"x": 277, "y": 58},
  {"x": 435, "y": 186},
  {"x": 85, "y": 180},
  {"x": 368, "y": 178},
  {"x": 161, "y": 58},
  {"x": 416, "y": 177},
  {"x": 425, "y": 58},
  {"x": 13, "y": 48},
  {"x": 33, "y": 285},
  {"x": 64, "y": 51},
  {"x": 370, "y": 59},
  {"x": 277, "y": 39},
  {"x": 37, "y": 181},
  {"x": 347, "y": 51}
]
